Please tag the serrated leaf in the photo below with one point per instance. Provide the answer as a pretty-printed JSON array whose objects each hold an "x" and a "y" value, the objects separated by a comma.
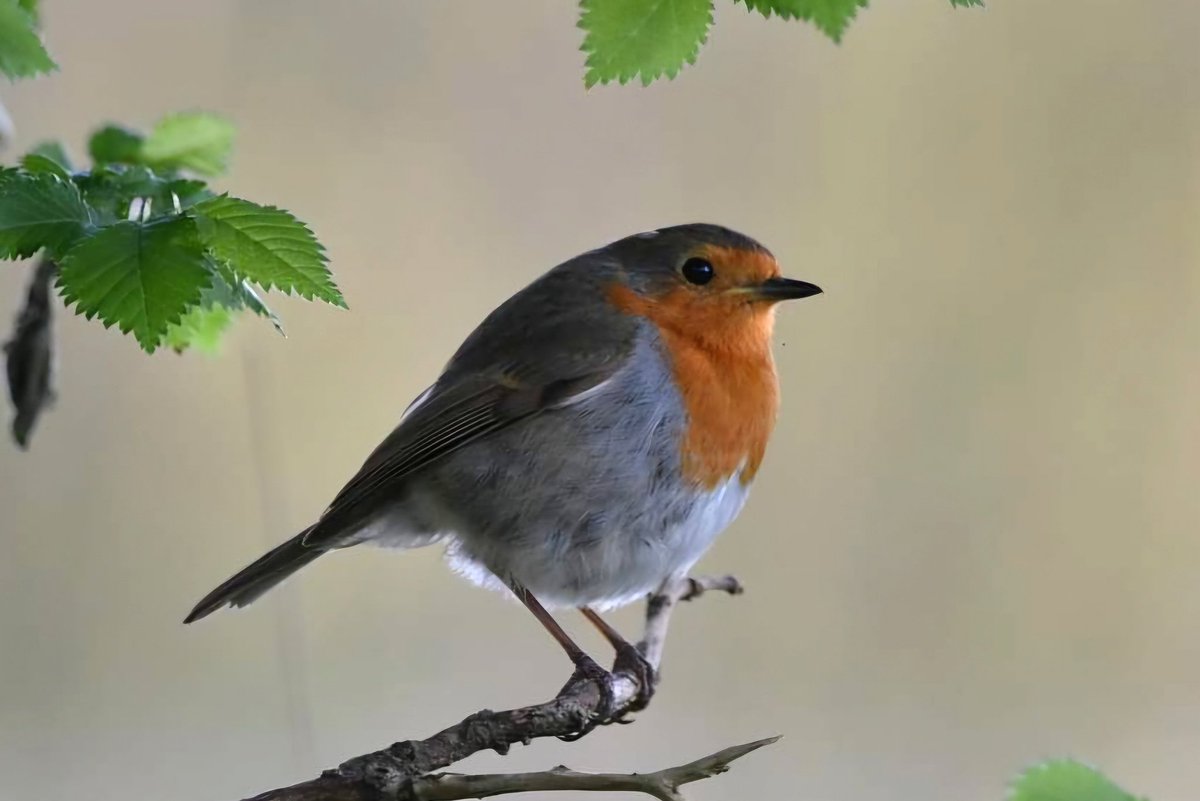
[
  {"x": 21, "y": 50},
  {"x": 40, "y": 211},
  {"x": 53, "y": 150},
  {"x": 831, "y": 16},
  {"x": 268, "y": 246},
  {"x": 201, "y": 328},
  {"x": 113, "y": 144},
  {"x": 192, "y": 140},
  {"x": 141, "y": 277},
  {"x": 626, "y": 39},
  {"x": 231, "y": 290},
  {"x": 1066, "y": 780}
]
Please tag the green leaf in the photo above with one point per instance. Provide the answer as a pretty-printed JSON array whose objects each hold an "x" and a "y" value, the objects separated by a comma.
[
  {"x": 256, "y": 304},
  {"x": 200, "y": 327},
  {"x": 21, "y": 50},
  {"x": 35, "y": 164},
  {"x": 113, "y": 144},
  {"x": 141, "y": 277},
  {"x": 966, "y": 3},
  {"x": 40, "y": 211},
  {"x": 1066, "y": 780},
  {"x": 641, "y": 38},
  {"x": 230, "y": 289},
  {"x": 53, "y": 150},
  {"x": 31, "y": 8},
  {"x": 831, "y": 16},
  {"x": 268, "y": 246},
  {"x": 189, "y": 191},
  {"x": 193, "y": 140}
]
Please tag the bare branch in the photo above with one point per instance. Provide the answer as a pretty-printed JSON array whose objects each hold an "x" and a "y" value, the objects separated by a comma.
[
  {"x": 395, "y": 773},
  {"x": 662, "y": 784},
  {"x": 662, "y": 603}
]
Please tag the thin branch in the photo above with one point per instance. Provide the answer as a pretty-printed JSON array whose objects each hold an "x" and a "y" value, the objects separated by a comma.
[
  {"x": 663, "y": 784},
  {"x": 662, "y": 603},
  {"x": 393, "y": 773}
]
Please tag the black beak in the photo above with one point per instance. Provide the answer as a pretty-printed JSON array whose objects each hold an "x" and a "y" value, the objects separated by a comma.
[{"x": 785, "y": 289}]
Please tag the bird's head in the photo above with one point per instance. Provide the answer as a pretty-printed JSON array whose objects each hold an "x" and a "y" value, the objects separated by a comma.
[{"x": 703, "y": 281}]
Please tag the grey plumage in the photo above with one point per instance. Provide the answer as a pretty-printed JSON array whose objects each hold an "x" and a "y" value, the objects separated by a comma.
[{"x": 519, "y": 457}]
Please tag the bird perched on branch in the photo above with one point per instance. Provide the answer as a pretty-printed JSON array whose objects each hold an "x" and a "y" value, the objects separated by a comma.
[{"x": 588, "y": 441}]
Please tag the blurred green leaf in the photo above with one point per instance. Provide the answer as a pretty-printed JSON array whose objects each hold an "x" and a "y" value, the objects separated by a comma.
[
  {"x": 831, "y": 16},
  {"x": 627, "y": 39},
  {"x": 966, "y": 3},
  {"x": 35, "y": 164},
  {"x": 31, "y": 8},
  {"x": 142, "y": 277},
  {"x": 268, "y": 246},
  {"x": 1066, "y": 780},
  {"x": 21, "y": 50},
  {"x": 53, "y": 150},
  {"x": 201, "y": 328},
  {"x": 40, "y": 211},
  {"x": 189, "y": 191},
  {"x": 113, "y": 144},
  {"x": 193, "y": 140}
]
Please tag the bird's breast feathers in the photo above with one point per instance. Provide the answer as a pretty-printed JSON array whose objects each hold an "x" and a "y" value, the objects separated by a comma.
[{"x": 721, "y": 363}]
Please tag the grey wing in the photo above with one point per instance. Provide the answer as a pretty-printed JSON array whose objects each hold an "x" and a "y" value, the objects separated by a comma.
[{"x": 478, "y": 395}]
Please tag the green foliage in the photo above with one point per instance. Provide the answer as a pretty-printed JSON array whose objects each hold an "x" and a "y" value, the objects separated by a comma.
[
  {"x": 625, "y": 39},
  {"x": 113, "y": 144},
  {"x": 148, "y": 248},
  {"x": 142, "y": 277},
  {"x": 1066, "y": 780},
  {"x": 200, "y": 328},
  {"x": 40, "y": 211},
  {"x": 830, "y": 16},
  {"x": 190, "y": 141},
  {"x": 21, "y": 52},
  {"x": 646, "y": 39},
  {"x": 274, "y": 248}
]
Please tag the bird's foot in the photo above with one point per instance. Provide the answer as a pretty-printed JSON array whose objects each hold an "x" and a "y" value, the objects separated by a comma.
[
  {"x": 631, "y": 662},
  {"x": 587, "y": 671}
]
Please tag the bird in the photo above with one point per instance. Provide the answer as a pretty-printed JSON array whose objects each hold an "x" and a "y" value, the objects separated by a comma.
[{"x": 587, "y": 442}]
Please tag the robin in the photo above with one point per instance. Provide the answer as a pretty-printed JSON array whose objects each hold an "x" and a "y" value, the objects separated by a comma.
[{"x": 588, "y": 441}]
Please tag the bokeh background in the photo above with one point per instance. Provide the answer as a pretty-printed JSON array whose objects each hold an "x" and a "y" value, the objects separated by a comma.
[{"x": 975, "y": 541}]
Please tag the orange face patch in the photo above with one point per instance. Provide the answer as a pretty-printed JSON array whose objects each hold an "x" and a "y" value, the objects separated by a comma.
[{"x": 719, "y": 342}]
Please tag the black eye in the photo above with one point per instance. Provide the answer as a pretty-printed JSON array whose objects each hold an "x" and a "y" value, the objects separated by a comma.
[{"x": 698, "y": 271}]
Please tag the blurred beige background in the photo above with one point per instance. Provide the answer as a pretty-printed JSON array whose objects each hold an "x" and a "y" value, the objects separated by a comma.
[{"x": 974, "y": 544}]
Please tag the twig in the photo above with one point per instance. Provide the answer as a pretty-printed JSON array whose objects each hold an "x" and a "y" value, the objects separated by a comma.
[
  {"x": 662, "y": 784},
  {"x": 394, "y": 773},
  {"x": 662, "y": 603}
]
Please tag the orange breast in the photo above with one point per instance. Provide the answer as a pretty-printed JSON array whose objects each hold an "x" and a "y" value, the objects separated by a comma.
[{"x": 720, "y": 353}]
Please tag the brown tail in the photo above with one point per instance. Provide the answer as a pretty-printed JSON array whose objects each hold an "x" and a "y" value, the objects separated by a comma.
[{"x": 260, "y": 576}]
